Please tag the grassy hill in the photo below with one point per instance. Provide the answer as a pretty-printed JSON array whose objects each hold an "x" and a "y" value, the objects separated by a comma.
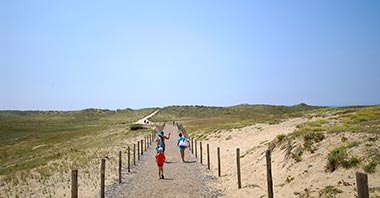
[
  {"x": 202, "y": 119},
  {"x": 30, "y": 139}
]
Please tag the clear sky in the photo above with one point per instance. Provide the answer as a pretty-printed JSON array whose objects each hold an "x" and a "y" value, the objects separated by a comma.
[{"x": 68, "y": 55}]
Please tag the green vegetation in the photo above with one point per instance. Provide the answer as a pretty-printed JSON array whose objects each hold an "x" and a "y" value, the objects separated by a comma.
[
  {"x": 370, "y": 168},
  {"x": 352, "y": 162},
  {"x": 201, "y": 120},
  {"x": 353, "y": 144},
  {"x": 329, "y": 192},
  {"x": 297, "y": 154},
  {"x": 311, "y": 126},
  {"x": 280, "y": 137},
  {"x": 31, "y": 139},
  {"x": 357, "y": 119},
  {"x": 135, "y": 127},
  {"x": 374, "y": 189},
  {"x": 338, "y": 157},
  {"x": 335, "y": 158}
]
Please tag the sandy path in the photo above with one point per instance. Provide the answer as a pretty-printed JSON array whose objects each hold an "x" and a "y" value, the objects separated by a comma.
[
  {"x": 181, "y": 179},
  {"x": 141, "y": 121}
]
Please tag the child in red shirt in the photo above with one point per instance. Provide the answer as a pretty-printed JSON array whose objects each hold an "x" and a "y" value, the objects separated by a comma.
[{"x": 160, "y": 159}]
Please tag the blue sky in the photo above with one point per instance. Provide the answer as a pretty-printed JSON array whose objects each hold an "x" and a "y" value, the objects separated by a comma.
[{"x": 67, "y": 55}]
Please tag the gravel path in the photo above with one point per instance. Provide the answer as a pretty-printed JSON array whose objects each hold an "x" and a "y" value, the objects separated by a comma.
[{"x": 181, "y": 179}]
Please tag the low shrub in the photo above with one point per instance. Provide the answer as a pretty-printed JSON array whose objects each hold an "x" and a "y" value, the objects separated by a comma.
[
  {"x": 353, "y": 144},
  {"x": 335, "y": 158},
  {"x": 329, "y": 191},
  {"x": 297, "y": 154},
  {"x": 351, "y": 162},
  {"x": 280, "y": 137},
  {"x": 316, "y": 137},
  {"x": 370, "y": 168},
  {"x": 135, "y": 127}
]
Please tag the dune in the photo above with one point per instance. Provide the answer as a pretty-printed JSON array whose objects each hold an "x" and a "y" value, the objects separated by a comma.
[{"x": 306, "y": 178}]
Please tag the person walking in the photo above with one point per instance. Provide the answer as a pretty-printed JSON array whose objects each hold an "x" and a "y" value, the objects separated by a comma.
[
  {"x": 160, "y": 159},
  {"x": 182, "y": 144},
  {"x": 160, "y": 140}
]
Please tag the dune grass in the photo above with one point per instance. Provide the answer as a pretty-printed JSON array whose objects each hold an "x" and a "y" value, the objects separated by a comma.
[
  {"x": 202, "y": 120},
  {"x": 30, "y": 139}
]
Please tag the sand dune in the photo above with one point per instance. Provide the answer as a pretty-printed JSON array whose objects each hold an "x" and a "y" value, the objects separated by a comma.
[{"x": 307, "y": 178}]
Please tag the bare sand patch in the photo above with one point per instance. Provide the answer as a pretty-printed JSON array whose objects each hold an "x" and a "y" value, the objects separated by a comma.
[{"x": 306, "y": 178}]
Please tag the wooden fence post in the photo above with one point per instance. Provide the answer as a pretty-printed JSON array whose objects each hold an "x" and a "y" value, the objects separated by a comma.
[
  {"x": 142, "y": 147},
  {"x": 145, "y": 144},
  {"x": 196, "y": 149},
  {"x": 362, "y": 185},
  {"x": 190, "y": 148},
  {"x": 200, "y": 152},
  {"x": 74, "y": 184},
  {"x": 138, "y": 150},
  {"x": 208, "y": 157},
  {"x": 129, "y": 159},
  {"x": 238, "y": 167},
  {"x": 219, "y": 168},
  {"x": 269, "y": 174},
  {"x": 192, "y": 144},
  {"x": 134, "y": 154},
  {"x": 102, "y": 177},
  {"x": 120, "y": 167}
]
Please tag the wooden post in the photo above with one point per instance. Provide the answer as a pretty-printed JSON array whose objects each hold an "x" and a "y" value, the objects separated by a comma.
[
  {"x": 200, "y": 151},
  {"x": 196, "y": 149},
  {"x": 190, "y": 148},
  {"x": 238, "y": 167},
  {"x": 129, "y": 159},
  {"x": 269, "y": 174},
  {"x": 142, "y": 147},
  {"x": 74, "y": 184},
  {"x": 138, "y": 150},
  {"x": 362, "y": 185},
  {"x": 218, "y": 153},
  {"x": 102, "y": 177},
  {"x": 192, "y": 144},
  {"x": 119, "y": 167},
  {"x": 145, "y": 143},
  {"x": 208, "y": 157},
  {"x": 134, "y": 154}
]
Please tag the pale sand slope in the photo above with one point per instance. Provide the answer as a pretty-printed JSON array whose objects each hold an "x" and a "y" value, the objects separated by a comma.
[{"x": 306, "y": 178}]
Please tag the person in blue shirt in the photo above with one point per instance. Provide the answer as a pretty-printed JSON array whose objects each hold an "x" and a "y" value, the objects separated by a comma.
[
  {"x": 182, "y": 144},
  {"x": 160, "y": 140}
]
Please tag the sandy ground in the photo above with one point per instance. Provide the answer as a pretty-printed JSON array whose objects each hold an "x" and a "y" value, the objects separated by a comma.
[
  {"x": 187, "y": 179},
  {"x": 290, "y": 179},
  {"x": 306, "y": 178}
]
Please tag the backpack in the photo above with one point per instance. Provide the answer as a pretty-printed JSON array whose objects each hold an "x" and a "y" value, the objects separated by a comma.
[{"x": 184, "y": 143}]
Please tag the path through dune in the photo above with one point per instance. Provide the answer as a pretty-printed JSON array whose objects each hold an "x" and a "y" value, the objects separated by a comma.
[{"x": 181, "y": 179}]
